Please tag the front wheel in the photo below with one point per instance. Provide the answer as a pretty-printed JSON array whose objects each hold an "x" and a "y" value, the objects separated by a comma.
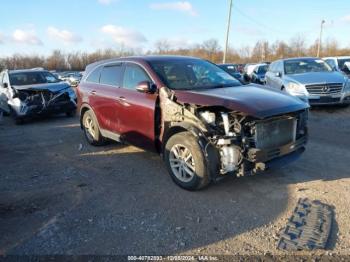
[{"x": 185, "y": 161}]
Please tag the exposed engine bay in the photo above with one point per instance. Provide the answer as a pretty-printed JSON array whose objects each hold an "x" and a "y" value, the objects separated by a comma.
[{"x": 244, "y": 144}]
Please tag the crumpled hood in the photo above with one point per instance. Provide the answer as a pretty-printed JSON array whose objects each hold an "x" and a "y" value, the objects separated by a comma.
[
  {"x": 253, "y": 100},
  {"x": 317, "y": 78},
  {"x": 53, "y": 87}
]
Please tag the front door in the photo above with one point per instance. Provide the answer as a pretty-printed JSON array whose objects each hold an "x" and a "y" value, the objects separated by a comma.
[{"x": 137, "y": 113}]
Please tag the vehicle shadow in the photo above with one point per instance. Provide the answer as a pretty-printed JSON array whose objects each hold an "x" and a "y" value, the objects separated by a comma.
[{"x": 125, "y": 202}]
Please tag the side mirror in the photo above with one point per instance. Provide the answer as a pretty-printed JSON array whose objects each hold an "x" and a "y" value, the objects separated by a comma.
[
  {"x": 278, "y": 74},
  {"x": 146, "y": 87},
  {"x": 5, "y": 85}
]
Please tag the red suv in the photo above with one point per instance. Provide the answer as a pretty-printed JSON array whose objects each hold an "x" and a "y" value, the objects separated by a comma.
[{"x": 201, "y": 120}]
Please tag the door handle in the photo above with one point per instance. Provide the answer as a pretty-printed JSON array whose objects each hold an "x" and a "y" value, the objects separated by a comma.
[{"x": 93, "y": 92}]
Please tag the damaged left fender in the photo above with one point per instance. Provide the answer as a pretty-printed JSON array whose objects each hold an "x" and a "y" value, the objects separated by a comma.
[{"x": 177, "y": 117}]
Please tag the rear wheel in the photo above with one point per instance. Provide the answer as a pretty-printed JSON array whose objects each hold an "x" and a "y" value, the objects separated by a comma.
[
  {"x": 185, "y": 161},
  {"x": 91, "y": 129}
]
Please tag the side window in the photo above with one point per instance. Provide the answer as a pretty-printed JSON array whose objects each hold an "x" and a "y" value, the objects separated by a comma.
[
  {"x": 111, "y": 75},
  {"x": 133, "y": 75},
  {"x": 94, "y": 76}
]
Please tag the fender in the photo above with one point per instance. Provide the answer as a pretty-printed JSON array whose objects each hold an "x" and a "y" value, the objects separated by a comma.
[{"x": 210, "y": 152}]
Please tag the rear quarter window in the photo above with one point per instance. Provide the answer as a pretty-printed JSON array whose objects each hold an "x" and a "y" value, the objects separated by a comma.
[{"x": 94, "y": 76}]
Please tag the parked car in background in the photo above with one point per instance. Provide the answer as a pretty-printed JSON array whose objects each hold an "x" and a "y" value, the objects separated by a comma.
[
  {"x": 310, "y": 79},
  {"x": 258, "y": 75},
  {"x": 233, "y": 70},
  {"x": 247, "y": 72},
  {"x": 203, "y": 121},
  {"x": 33, "y": 92},
  {"x": 72, "y": 78},
  {"x": 339, "y": 63}
]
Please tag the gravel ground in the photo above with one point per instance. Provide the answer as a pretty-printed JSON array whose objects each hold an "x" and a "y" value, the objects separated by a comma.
[{"x": 59, "y": 195}]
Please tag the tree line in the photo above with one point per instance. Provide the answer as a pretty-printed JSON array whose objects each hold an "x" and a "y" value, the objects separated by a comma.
[{"x": 210, "y": 49}]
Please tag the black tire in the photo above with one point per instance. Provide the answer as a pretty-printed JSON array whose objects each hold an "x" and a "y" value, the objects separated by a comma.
[
  {"x": 95, "y": 139},
  {"x": 200, "y": 177}
]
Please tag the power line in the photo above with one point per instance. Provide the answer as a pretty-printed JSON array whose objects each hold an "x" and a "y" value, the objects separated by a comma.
[{"x": 256, "y": 21}]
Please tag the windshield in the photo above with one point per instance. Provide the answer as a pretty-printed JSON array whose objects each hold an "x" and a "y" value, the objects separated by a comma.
[
  {"x": 191, "y": 74},
  {"x": 32, "y": 78},
  {"x": 301, "y": 66}
]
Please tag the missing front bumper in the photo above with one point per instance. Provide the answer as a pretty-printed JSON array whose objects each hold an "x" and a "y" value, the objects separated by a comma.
[{"x": 264, "y": 155}]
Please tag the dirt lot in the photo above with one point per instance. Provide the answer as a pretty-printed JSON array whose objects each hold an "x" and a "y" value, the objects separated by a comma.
[{"x": 58, "y": 195}]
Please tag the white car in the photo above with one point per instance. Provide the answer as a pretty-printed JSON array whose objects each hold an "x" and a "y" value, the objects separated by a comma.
[
  {"x": 339, "y": 63},
  {"x": 310, "y": 79}
]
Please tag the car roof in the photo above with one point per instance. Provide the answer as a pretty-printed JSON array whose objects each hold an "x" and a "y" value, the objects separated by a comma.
[
  {"x": 298, "y": 58},
  {"x": 336, "y": 57},
  {"x": 145, "y": 58},
  {"x": 26, "y": 71}
]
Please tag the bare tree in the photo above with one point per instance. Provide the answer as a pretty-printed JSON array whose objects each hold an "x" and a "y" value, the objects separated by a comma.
[{"x": 209, "y": 49}]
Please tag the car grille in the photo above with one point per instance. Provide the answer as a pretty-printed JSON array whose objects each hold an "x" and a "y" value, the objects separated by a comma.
[
  {"x": 275, "y": 132},
  {"x": 325, "y": 89}
]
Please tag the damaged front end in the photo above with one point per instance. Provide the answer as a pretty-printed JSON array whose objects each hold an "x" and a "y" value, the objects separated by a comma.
[
  {"x": 39, "y": 101},
  {"x": 236, "y": 143}
]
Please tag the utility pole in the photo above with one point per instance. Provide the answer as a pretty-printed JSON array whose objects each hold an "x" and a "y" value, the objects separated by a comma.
[
  {"x": 227, "y": 32},
  {"x": 320, "y": 39}
]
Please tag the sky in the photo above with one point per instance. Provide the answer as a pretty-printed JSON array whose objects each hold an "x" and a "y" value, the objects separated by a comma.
[{"x": 40, "y": 26}]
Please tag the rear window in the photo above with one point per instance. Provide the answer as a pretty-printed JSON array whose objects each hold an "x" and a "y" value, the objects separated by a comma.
[{"x": 111, "y": 75}]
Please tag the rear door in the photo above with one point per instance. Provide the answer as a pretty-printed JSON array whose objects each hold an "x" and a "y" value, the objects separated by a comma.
[
  {"x": 137, "y": 113},
  {"x": 104, "y": 97}
]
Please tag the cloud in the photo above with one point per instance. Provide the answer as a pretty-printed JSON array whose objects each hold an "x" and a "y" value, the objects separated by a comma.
[
  {"x": 181, "y": 6},
  {"x": 346, "y": 19},
  {"x": 2, "y": 37},
  {"x": 63, "y": 35},
  {"x": 28, "y": 37},
  {"x": 106, "y": 2},
  {"x": 124, "y": 36}
]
